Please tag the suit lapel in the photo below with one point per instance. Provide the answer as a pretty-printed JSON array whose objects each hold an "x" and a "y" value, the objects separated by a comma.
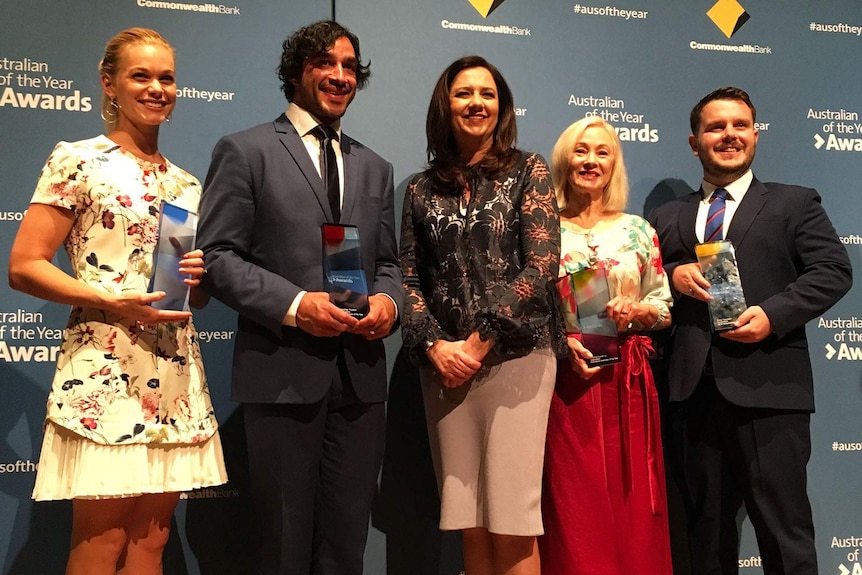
[
  {"x": 351, "y": 178},
  {"x": 687, "y": 220},
  {"x": 748, "y": 209},
  {"x": 297, "y": 151}
]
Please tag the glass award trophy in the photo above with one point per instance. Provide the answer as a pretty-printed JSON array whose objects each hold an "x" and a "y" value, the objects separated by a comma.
[
  {"x": 343, "y": 274},
  {"x": 718, "y": 264},
  {"x": 585, "y": 296},
  {"x": 177, "y": 228}
]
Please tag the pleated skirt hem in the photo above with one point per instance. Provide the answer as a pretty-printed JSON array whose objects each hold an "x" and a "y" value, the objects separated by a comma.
[{"x": 71, "y": 466}]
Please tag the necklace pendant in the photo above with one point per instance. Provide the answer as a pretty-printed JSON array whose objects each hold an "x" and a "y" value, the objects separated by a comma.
[{"x": 592, "y": 249}]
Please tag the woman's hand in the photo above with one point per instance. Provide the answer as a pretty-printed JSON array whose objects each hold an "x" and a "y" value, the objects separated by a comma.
[
  {"x": 193, "y": 265},
  {"x": 136, "y": 305},
  {"x": 624, "y": 311},
  {"x": 477, "y": 347},
  {"x": 578, "y": 355},
  {"x": 453, "y": 362}
]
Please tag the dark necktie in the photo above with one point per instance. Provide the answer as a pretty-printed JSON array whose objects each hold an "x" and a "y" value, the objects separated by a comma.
[
  {"x": 715, "y": 217},
  {"x": 329, "y": 168}
]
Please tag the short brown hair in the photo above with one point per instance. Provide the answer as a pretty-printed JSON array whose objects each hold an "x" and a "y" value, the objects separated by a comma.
[{"x": 725, "y": 93}]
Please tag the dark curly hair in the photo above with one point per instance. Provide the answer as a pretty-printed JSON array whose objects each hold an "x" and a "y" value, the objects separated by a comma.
[
  {"x": 314, "y": 40},
  {"x": 447, "y": 170}
]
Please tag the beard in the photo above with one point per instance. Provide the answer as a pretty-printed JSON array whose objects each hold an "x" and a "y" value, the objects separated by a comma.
[{"x": 725, "y": 171}]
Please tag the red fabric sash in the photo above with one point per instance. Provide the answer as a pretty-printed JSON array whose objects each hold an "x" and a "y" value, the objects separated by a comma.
[{"x": 636, "y": 372}]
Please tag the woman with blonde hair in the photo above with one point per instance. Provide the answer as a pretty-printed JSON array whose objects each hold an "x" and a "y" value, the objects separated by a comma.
[
  {"x": 129, "y": 424},
  {"x": 603, "y": 500}
]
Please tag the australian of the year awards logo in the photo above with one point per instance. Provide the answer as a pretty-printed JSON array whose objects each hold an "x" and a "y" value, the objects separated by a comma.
[
  {"x": 485, "y": 7},
  {"x": 28, "y": 83},
  {"x": 729, "y": 16}
]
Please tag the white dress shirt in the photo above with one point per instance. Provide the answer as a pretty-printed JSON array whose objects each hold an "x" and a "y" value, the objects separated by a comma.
[
  {"x": 304, "y": 123},
  {"x": 736, "y": 191}
]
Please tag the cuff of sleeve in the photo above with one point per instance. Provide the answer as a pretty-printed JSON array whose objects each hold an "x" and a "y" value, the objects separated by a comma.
[
  {"x": 290, "y": 316},
  {"x": 392, "y": 299}
]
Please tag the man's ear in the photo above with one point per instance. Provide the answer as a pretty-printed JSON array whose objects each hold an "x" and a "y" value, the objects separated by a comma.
[{"x": 692, "y": 143}]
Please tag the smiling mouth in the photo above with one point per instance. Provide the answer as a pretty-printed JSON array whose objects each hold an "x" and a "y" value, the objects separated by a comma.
[
  {"x": 337, "y": 97},
  {"x": 335, "y": 91}
]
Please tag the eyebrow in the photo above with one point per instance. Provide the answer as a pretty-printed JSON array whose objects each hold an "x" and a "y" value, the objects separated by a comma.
[
  {"x": 460, "y": 86},
  {"x": 147, "y": 69}
]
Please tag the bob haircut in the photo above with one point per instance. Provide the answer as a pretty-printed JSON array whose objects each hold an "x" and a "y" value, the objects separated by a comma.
[{"x": 616, "y": 193}]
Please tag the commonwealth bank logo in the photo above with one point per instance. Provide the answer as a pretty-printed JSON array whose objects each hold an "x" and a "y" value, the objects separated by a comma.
[
  {"x": 728, "y": 15},
  {"x": 485, "y": 7}
]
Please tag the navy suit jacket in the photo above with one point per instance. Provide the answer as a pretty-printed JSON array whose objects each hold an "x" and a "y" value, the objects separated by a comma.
[
  {"x": 261, "y": 213},
  {"x": 791, "y": 263}
]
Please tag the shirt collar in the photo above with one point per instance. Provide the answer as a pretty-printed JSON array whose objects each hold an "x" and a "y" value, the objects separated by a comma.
[
  {"x": 736, "y": 188},
  {"x": 304, "y": 122}
]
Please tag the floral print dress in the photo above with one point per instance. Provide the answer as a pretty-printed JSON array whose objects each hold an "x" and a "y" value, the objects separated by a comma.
[
  {"x": 627, "y": 248},
  {"x": 118, "y": 381},
  {"x": 603, "y": 501}
]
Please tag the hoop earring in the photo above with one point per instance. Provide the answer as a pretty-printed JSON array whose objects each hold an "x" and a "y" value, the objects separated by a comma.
[
  {"x": 109, "y": 115},
  {"x": 168, "y": 119}
]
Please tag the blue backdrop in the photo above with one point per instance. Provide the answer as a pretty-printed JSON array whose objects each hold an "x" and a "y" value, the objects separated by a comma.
[{"x": 641, "y": 65}]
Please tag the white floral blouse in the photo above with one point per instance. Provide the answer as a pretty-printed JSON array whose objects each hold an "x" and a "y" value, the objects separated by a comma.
[
  {"x": 627, "y": 247},
  {"x": 118, "y": 381}
]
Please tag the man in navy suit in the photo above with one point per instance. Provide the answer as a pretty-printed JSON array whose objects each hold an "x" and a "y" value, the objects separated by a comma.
[
  {"x": 311, "y": 377},
  {"x": 741, "y": 399}
]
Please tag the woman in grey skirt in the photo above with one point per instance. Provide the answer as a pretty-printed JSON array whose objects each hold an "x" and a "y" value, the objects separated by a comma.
[{"x": 480, "y": 248}]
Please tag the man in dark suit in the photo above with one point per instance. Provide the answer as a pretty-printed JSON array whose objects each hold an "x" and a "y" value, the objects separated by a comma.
[
  {"x": 741, "y": 399},
  {"x": 311, "y": 377}
]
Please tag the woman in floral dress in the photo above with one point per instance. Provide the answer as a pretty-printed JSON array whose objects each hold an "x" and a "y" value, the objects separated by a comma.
[
  {"x": 604, "y": 500},
  {"x": 129, "y": 424},
  {"x": 479, "y": 254}
]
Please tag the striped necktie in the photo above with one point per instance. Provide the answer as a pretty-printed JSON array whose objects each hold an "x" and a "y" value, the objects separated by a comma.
[{"x": 715, "y": 217}]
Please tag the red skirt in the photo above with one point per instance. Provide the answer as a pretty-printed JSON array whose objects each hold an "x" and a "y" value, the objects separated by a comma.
[{"x": 604, "y": 504}]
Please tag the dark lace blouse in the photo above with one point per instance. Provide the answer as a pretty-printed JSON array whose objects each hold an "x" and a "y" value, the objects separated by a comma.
[{"x": 483, "y": 260}]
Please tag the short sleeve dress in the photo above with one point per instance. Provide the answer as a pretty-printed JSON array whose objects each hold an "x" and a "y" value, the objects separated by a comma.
[{"x": 129, "y": 411}]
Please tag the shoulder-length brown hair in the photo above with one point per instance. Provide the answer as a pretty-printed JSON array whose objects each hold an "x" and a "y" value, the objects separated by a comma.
[{"x": 447, "y": 170}]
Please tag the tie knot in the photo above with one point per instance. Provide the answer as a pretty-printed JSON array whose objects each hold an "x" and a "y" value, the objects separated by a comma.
[
  {"x": 323, "y": 132},
  {"x": 719, "y": 194}
]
